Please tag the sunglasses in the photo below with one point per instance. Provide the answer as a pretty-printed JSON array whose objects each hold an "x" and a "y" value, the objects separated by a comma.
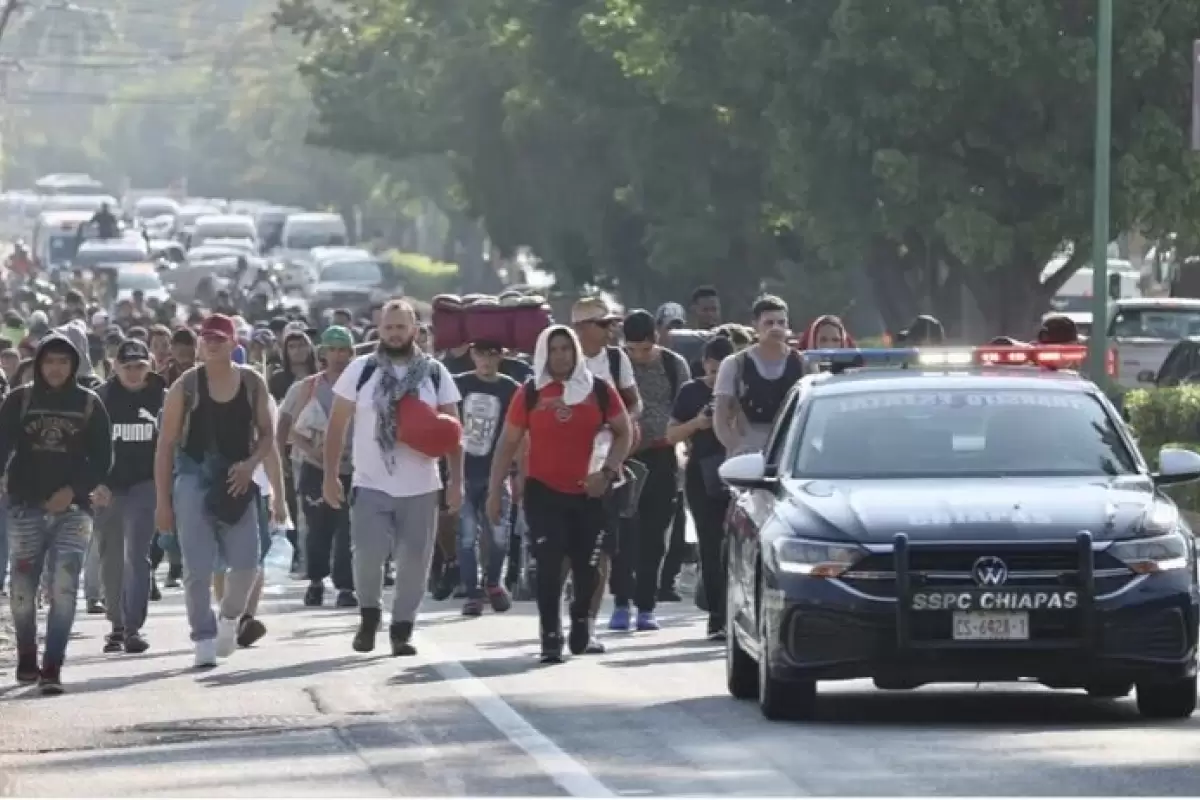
[{"x": 602, "y": 323}]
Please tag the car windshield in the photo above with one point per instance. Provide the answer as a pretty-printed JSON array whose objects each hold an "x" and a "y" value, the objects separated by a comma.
[
  {"x": 93, "y": 256},
  {"x": 308, "y": 239},
  {"x": 61, "y": 248},
  {"x": 365, "y": 272},
  {"x": 130, "y": 280},
  {"x": 223, "y": 230},
  {"x": 960, "y": 432},
  {"x": 1156, "y": 323}
]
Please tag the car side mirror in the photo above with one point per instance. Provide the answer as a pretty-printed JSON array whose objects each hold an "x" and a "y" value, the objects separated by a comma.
[
  {"x": 1176, "y": 465},
  {"x": 748, "y": 471}
]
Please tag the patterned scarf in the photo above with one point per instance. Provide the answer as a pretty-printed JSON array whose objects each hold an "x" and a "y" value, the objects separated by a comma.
[{"x": 388, "y": 393}]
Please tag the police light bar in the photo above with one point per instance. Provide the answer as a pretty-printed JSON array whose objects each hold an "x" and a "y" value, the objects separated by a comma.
[
  {"x": 1051, "y": 356},
  {"x": 946, "y": 358},
  {"x": 838, "y": 359}
]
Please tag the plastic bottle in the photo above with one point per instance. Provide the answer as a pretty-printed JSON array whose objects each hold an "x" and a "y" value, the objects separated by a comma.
[{"x": 278, "y": 565}]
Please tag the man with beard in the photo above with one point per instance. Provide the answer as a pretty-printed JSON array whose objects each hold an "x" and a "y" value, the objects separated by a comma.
[{"x": 396, "y": 488}]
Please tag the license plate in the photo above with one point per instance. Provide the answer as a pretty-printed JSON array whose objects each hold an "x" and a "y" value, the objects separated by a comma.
[{"x": 979, "y": 626}]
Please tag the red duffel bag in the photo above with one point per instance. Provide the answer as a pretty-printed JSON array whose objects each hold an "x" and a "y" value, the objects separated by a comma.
[
  {"x": 487, "y": 320},
  {"x": 528, "y": 322},
  {"x": 449, "y": 322},
  {"x": 425, "y": 429}
]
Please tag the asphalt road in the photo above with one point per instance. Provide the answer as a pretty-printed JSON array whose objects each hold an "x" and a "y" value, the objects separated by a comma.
[{"x": 475, "y": 714}]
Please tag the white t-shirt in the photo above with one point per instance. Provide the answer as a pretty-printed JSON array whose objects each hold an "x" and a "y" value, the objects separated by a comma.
[
  {"x": 413, "y": 473},
  {"x": 598, "y": 366}
]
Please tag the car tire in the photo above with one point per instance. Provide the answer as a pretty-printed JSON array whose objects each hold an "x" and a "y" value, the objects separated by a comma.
[
  {"x": 778, "y": 700},
  {"x": 1170, "y": 700},
  {"x": 741, "y": 671},
  {"x": 1109, "y": 690}
]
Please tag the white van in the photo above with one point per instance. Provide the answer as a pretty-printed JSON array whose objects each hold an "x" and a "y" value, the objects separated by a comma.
[
  {"x": 222, "y": 226},
  {"x": 312, "y": 229}
]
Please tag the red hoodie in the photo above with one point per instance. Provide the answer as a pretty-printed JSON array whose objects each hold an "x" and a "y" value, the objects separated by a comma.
[{"x": 810, "y": 336}]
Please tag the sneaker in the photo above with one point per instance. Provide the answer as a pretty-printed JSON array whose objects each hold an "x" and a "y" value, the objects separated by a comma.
[
  {"x": 473, "y": 607},
  {"x": 50, "y": 681},
  {"x": 552, "y": 647},
  {"x": 646, "y": 621},
  {"x": 500, "y": 599},
  {"x": 28, "y": 670},
  {"x": 346, "y": 598},
  {"x": 620, "y": 619},
  {"x": 580, "y": 635},
  {"x": 114, "y": 642},
  {"x": 595, "y": 647},
  {"x": 716, "y": 634},
  {"x": 206, "y": 653},
  {"x": 249, "y": 631},
  {"x": 96, "y": 607},
  {"x": 155, "y": 593},
  {"x": 227, "y": 630},
  {"x": 134, "y": 643},
  {"x": 314, "y": 595},
  {"x": 368, "y": 626}
]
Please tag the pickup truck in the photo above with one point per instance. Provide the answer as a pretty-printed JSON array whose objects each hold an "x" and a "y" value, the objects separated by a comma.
[{"x": 1142, "y": 332}]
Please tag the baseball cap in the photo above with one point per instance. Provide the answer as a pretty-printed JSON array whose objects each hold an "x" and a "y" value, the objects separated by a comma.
[
  {"x": 337, "y": 336},
  {"x": 670, "y": 315},
  {"x": 592, "y": 309},
  {"x": 218, "y": 326},
  {"x": 133, "y": 351},
  {"x": 487, "y": 346}
]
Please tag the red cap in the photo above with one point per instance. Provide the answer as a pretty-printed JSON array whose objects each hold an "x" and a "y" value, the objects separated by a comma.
[{"x": 218, "y": 326}]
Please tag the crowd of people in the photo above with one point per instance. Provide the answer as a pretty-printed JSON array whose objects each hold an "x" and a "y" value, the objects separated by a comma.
[{"x": 143, "y": 438}]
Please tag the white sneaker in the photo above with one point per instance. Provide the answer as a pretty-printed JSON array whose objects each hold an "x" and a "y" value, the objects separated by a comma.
[
  {"x": 227, "y": 630},
  {"x": 206, "y": 653}
]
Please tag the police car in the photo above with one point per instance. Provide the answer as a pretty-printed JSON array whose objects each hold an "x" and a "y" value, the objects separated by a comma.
[{"x": 963, "y": 522}]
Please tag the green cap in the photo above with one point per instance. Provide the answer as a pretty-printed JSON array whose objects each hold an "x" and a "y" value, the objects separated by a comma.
[{"x": 337, "y": 336}]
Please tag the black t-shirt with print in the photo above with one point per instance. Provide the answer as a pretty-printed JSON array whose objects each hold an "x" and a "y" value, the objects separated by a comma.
[
  {"x": 484, "y": 406},
  {"x": 693, "y": 397}
]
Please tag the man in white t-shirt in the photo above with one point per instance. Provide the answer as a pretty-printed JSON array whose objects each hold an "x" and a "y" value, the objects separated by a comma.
[{"x": 395, "y": 507}]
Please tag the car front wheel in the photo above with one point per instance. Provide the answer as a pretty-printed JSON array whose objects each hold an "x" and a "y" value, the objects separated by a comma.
[
  {"x": 1170, "y": 700},
  {"x": 781, "y": 700},
  {"x": 741, "y": 673}
]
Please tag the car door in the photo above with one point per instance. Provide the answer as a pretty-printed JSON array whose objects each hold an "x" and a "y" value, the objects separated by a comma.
[{"x": 749, "y": 511}]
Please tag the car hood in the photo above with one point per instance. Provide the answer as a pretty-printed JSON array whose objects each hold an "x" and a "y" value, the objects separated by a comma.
[
  {"x": 874, "y": 511},
  {"x": 339, "y": 287}
]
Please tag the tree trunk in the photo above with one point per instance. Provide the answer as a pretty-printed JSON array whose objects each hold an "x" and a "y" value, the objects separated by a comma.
[{"x": 896, "y": 300}]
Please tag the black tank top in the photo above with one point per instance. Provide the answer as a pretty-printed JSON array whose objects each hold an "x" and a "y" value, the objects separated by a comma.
[
  {"x": 759, "y": 397},
  {"x": 227, "y": 425}
]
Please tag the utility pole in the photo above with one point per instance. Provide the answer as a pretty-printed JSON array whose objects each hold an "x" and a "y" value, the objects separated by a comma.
[{"x": 1098, "y": 342}]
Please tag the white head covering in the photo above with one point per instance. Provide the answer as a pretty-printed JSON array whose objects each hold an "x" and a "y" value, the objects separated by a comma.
[{"x": 576, "y": 389}]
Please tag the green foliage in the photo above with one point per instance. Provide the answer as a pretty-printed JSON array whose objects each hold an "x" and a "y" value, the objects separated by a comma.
[
  {"x": 421, "y": 276},
  {"x": 1167, "y": 418},
  {"x": 655, "y": 145}
]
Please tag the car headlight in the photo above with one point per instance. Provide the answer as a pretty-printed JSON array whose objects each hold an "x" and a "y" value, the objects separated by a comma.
[
  {"x": 1154, "y": 554},
  {"x": 1162, "y": 518},
  {"x": 812, "y": 558}
]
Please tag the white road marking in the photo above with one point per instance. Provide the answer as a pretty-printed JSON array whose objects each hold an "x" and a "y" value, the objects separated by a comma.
[{"x": 560, "y": 767}]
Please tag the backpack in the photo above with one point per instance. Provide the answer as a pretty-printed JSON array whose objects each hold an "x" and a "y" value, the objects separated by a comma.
[
  {"x": 668, "y": 365},
  {"x": 599, "y": 391},
  {"x": 435, "y": 375},
  {"x": 190, "y": 381}
]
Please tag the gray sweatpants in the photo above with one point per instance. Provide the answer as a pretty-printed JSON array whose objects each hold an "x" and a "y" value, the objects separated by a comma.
[
  {"x": 125, "y": 531},
  {"x": 403, "y": 528},
  {"x": 93, "y": 585},
  {"x": 201, "y": 540}
]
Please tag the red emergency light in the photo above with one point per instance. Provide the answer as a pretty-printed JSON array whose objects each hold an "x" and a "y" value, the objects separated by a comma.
[{"x": 1049, "y": 356}]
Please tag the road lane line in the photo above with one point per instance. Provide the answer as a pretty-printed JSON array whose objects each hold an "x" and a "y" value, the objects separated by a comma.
[{"x": 564, "y": 770}]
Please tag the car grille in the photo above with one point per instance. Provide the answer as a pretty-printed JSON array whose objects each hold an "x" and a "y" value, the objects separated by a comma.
[
  {"x": 1158, "y": 635},
  {"x": 951, "y": 567}
]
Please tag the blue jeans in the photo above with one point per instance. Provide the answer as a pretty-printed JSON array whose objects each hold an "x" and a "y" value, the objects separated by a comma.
[
  {"x": 472, "y": 521},
  {"x": 55, "y": 543}
]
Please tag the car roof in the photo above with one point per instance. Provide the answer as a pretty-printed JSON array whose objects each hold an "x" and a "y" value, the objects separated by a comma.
[
  {"x": 225, "y": 219},
  {"x": 913, "y": 380},
  {"x": 1189, "y": 303},
  {"x": 114, "y": 244},
  {"x": 331, "y": 254}
]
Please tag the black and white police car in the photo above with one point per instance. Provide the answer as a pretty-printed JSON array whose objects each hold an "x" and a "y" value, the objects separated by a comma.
[{"x": 981, "y": 524}]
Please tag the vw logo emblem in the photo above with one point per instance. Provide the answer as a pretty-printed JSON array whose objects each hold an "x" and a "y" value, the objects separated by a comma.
[{"x": 989, "y": 571}]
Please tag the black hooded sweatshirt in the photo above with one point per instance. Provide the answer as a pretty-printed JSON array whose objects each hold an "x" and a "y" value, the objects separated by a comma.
[
  {"x": 279, "y": 382},
  {"x": 50, "y": 446},
  {"x": 134, "y": 416}
]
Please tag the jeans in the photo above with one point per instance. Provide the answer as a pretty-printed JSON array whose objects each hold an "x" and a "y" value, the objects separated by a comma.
[
  {"x": 472, "y": 522},
  {"x": 125, "y": 530},
  {"x": 642, "y": 542},
  {"x": 328, "y": 536},
  {"x": 39, "y": 541}
]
